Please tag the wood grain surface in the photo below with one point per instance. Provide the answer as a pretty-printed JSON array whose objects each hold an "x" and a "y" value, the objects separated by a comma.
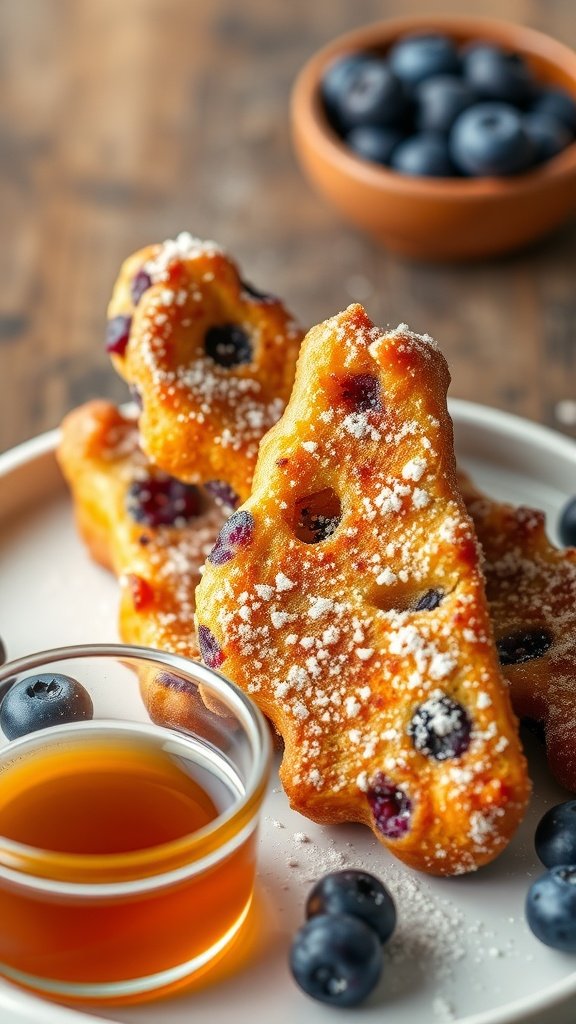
[{"x": 125, "y": 121}]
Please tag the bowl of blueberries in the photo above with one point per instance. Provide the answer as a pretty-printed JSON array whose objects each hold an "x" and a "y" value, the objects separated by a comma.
[{"x": 446, "y": 139}]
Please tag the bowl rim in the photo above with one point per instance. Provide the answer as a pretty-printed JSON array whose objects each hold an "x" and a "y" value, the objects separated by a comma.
[{"x": 309, "y": 120}]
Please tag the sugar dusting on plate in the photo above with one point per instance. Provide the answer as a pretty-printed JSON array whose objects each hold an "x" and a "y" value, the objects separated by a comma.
[{"x": 434, "y": 940}]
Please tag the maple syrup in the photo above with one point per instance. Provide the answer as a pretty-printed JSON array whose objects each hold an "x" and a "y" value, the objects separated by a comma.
[{"x": 136, "y": 868}]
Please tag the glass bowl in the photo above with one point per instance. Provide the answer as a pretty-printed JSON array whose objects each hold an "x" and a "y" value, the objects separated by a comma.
[{"x": 148, "y": 876}]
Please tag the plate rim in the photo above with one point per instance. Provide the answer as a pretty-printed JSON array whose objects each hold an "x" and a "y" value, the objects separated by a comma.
[{"x": 31, "y": 1009}]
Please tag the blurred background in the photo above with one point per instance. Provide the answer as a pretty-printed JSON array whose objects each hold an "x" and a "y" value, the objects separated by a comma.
[{"x": 123, "y": 122}]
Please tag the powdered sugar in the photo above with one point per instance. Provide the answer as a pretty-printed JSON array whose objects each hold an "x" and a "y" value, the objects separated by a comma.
[
  {"x": 446, "y": 958},
  {"x": 358, "y": 424},
  {"x": 347, "y": 660},
  {"x": 319, "y": 606},
  {"x": 184, "y": 246},
  {"x": 414, "y": 469},
  {"x": 223, "y": 393},
  {"x": 283, "y": 583}
]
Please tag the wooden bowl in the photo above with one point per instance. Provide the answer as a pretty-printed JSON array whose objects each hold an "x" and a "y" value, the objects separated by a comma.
[{"x": 437, "y": 218}]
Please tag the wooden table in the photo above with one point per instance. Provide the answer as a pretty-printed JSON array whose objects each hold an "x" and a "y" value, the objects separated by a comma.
[{"x": 125, "y": 121}]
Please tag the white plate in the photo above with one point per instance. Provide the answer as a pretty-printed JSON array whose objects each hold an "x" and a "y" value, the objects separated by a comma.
[{"x": 462, "y": 950}]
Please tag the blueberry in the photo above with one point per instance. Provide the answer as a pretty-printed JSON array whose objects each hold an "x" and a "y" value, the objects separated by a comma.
[
  {"x": 336, "y": 959},
  {"x": 210, "y": 650},
  {"x": 551, "y": 908},
  {"x": 141, "y": 282},
  {"x": 439, "y": 100},
  {"x": 429, "y": 600},
  {"x": 236, "y": 533},
  {"x": 334, "y": 84},
  {"x": 118, "y": 334},
  {"x": 426, "y": 155},
  {"x": 318, "y": 516},
  {"x": 555, "y": 838},
  {"x": 361, "y": 392},
  {"x": 222, "y": 493},
  {"x": 524, "y": 645},
  {"x": 557, "y": 103},
  {"x": 440, "y": 728},
  {"x": 417, "y": 57},
  {"x": 373, "y": 95},
  {"x": 390, "y": 806},
  {"x": 495, "y": 74},
  {"x": 373, "y": 143},
  {"x": 43, "y": 700},
  {"x": 356, "y": 893},
  {"x": 163, "y": 501},
  {"x": 228, "y": 345},
  {"x": 490, "y": 139},
  {"x": 547, "y": 134},
  {"x": 567, "y": 524}
]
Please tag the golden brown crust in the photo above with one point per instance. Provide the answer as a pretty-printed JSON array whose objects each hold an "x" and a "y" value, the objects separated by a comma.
[
  {"x": 202, "y": 414},
  {"x": 158, "y": 567},
  {"x": 318, "y": 600},
  {"x": 531, "y": 589}
]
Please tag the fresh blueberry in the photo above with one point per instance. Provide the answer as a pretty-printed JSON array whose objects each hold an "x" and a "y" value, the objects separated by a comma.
[
  {"x": 391, "y": 807},
  {"x": 557, "y": 103},
  {"x": 373, "y": 143},
  {"x": 417, "y": 57},
  {"x": 555, "y": 838},
  {"x": 356, "y": 893},
  {"x": 440, "y": 728},
  {"x": 228, "y": 345},
  {"x": 524, "y": 645},
  {"x": 495, "y": 74},
  {"x": 118, "y": 334},
  {"x": 490, "y": 139},
  {"x": 425, "y": 155},
  {"x": 439, "y": 100},
  {"x": 551, "y": 908},
  {"x": 336, "y": 78},
  {"x": 336, "y": 959},
  {"x": 40, "y": 701},
  {"x": 547, "y": 134},
  {"x": 373, "y": 95},
  {"x": 162, "y": 500},
  {"x": 567, "y": 524}
]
